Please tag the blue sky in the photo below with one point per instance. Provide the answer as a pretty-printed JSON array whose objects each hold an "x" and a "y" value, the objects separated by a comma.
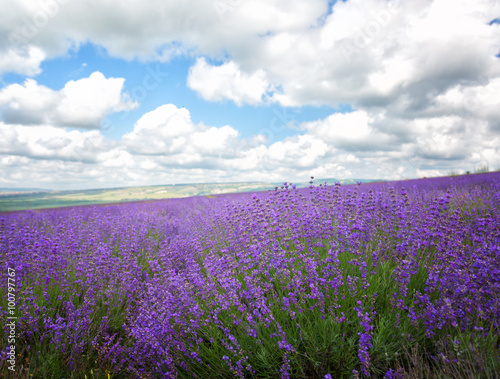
[
  {"x": 105, "y": 94},
  {"x": 171, "y": 89}
]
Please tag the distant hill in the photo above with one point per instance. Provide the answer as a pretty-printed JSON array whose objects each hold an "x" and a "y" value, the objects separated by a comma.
[
  {"x": 17, "y": 190},
  {"x": 13, "y": 199}
]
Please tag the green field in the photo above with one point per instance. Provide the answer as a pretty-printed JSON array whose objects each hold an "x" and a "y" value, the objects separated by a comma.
[
  {"x": 15, "y": 201},
  {"x": 53, "y": 199}
]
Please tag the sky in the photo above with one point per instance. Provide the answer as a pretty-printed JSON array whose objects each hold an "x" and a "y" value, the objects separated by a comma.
[{"x": 113, "y": 93}]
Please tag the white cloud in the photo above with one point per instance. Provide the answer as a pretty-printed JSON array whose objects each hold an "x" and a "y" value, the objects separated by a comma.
[
  {"x": 82, "y": 103},
  {"x": 369, "y": 53},
  {"x": 352, "y": 131},
  {"x": 167, "y": 147},
  {"x": 50, "y": 143},
  {"x": 213, "y": 139},
  {"x": 23, "y": 61},
  {"x": 165, "y": 27},
  {"x": 422, "y": 77},
  {"x": 480, "y": 102},
  {"x": 216, "y": 83},
  {"x": 168, "y": 137},
  {"x": 86, "y": 101},
  {"x": 298, "y": 151},
  {"x": 161, "y": 131}
]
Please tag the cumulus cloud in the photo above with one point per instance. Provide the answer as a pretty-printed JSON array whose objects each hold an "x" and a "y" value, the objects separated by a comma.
[
  {"x": 216, "y": 83},
  {"x": 168, "y": 131},
  {"x": 423, "y": 78},
  {"x": 166, "y": 28},
  {"x": 479, "y": 102},
  {"x": 365, "y": 52},
  {"x": 352, "y": 131},
  {"x": 24, "y": 61},
  {"x": 46, "y": 142},
  {"x": 297, "y": 151},
  {"x": 82, "y": 103},
  {"x": 372, "y": 53},
  {"x": 165, "y": 146},
  {"x": 390, "y": 55}
]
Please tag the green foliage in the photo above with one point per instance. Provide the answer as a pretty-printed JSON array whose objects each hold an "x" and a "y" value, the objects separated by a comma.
[{"x": 482, "y": 169}]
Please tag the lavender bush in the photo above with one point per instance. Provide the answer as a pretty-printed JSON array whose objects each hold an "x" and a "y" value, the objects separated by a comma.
[{"x": 390, "y": 280}]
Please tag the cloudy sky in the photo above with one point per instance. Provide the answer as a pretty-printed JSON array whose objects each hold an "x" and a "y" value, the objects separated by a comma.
[{"x": 109, "y": 93}]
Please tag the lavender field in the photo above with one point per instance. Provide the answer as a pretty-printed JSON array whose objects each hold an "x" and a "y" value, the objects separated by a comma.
[{"x": 394, "y": 280}]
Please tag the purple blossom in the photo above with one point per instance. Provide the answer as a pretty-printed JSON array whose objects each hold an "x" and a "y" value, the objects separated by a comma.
[{"x": 175, "y": 278}]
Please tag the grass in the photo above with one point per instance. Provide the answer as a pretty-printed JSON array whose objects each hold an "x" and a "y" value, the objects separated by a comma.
[{"x": 482, "y": 169}]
